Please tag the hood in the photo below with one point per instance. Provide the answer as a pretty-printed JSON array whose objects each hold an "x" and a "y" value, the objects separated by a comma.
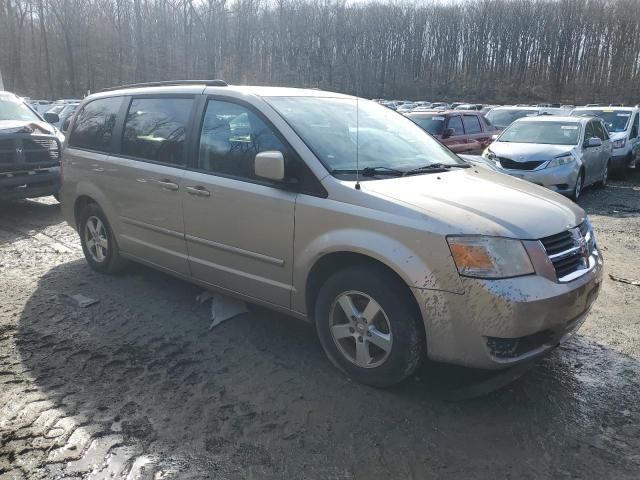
[
  {"x": 526, "y": 152},
  {"x": 17, "y": 126},
  {"x": 479, "y": 201},
  {"x": 617, "y": 135}
]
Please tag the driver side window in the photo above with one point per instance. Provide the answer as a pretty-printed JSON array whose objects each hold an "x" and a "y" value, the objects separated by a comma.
[
  {"x": 455, "y": 123},
  {"x": 232, "y": 136},
  {"x": 588, "y": 133}
]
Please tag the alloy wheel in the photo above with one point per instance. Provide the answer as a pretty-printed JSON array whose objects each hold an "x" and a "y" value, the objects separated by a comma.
[
  {"x": 361, "y": 329},
  {"x": 96, "y": 240}
]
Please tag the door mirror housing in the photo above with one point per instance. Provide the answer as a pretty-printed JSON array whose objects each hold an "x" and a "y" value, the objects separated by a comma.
[
  {"x": 594, "y": 142},
  {"x": 495, "y": 136},
  {"x": 269, "y": 165},
  {"x": 448, "y": 132},
  {"x": 51, "y": 117}
]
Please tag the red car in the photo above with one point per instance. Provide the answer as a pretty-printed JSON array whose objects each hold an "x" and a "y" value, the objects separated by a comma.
[{"x": 462, "y": 131}]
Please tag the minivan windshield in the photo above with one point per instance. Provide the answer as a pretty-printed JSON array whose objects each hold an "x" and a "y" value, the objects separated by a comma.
[
  {"x": 340, "y": 130},
  {"x": 615, "y": 121},
  {"x": 431, "y": 123},
  {"x": 12, "y": 108},
  {"x": 549, "y": 133},
  {"x": 503, "y": 118}
]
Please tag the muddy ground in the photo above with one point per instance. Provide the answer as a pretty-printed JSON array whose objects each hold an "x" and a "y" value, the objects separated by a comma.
[{"x": 137, "y": 387}]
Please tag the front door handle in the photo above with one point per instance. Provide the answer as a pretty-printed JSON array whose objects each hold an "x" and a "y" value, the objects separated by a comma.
[
  {"x": 198, "y": 191},
  {"x": 168, "y": 185}
]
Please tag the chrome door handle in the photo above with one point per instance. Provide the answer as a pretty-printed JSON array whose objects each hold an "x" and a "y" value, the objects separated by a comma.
[
  {"x": 168, "y": 185},
  {"x": 198, "y": 191}
]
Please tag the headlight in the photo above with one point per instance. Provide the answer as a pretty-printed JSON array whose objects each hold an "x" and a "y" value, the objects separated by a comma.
[
  {"x": 489, "y": 154},
  {"x": 489, "y": 257},
  {"x": 561, "y": 160},
  {"x": 619, "y": 143}
]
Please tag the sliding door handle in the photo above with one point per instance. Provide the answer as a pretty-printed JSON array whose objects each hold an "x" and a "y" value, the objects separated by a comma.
[{"x": 198, "y": 191}]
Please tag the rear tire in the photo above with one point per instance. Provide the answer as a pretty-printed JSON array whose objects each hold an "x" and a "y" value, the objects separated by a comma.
[
  {"x": 381, "y": 341},
  {"x": 98, "y": 242}
]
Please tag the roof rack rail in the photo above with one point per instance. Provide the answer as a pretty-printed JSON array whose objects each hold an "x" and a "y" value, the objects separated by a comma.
[{"x": 166, "y": 83}]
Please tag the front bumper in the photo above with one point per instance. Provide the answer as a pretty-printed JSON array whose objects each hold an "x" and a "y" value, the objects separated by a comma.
[
  {"x": 29, "y": 183},
  {"x": 560, "y": 179},
  {"x": 500, "y": 323}
]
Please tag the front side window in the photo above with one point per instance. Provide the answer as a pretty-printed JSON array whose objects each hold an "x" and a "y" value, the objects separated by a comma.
[
  {"x": 455, "y": 124},
  {"x": 600, "y": 131},
  {"x": 12, "y": 108},
  {"x": 471, "y": 124},
  {"x": 232, "y": 136},
  {"x": 636, "y": 126},
  {"x": 550, "y": 133},
  {"x": 348, "y": 134},
  {"x": 589, "y": 132},
  {"x": 155, "y": 129},
  {"x": 93, "y": 128}
]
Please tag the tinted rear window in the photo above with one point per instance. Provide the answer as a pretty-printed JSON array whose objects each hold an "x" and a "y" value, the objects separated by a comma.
[
  {"x": 93, "y": 128},
  {"x": 155, "y": 129}
]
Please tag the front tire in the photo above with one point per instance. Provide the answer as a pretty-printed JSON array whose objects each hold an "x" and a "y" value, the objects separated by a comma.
[
  {"x": 577, "y": 189},
  {"x": 605, "y": 175},
  {"x": 98, "y": 242},
  {"x": 368, "y": 326}
]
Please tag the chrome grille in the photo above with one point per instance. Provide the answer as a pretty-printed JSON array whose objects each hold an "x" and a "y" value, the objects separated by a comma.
[
  {"x": 32, "y": 150},
  {"x": 569, "y": 251}
]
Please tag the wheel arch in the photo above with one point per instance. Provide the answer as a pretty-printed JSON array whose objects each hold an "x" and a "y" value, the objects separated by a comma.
[{"x": 332, "y": 262}]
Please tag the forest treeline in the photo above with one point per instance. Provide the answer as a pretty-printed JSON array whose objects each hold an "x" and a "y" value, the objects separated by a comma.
[{"x": 573, "y": 51}]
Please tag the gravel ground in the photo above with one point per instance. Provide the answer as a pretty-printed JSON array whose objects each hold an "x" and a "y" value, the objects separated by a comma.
[{"x": 137, "y": 387}]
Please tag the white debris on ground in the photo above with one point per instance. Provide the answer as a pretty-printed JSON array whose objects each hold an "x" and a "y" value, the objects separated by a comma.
[{"x": 223, "y": 307}]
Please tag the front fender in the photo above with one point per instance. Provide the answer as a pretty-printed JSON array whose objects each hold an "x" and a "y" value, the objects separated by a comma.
[{"x": 434, "y": 271}]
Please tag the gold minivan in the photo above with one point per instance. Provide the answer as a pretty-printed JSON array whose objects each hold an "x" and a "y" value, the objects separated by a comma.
[{"x": 333, "y": 209}]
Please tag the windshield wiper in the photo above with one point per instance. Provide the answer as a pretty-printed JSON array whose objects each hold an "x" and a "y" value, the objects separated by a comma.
[
  {"x": 371, "y": 171},
  {"x": 434, "y": 168}
]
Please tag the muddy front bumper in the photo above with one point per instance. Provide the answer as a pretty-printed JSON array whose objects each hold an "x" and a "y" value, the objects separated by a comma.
[{"x": 499, "y": 323}]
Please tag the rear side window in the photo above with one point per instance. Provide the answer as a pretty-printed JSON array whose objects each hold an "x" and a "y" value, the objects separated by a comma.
[
  {"x": 471, "y": 124},
  {"x": 93, "y": 128},
  {"x": 155, "y": 129},
  {"x": 456, "y": 124}
]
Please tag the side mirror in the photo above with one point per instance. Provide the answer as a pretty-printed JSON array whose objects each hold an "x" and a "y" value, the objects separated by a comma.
[
  {"x": 448, "y": 132},
  {"x": 594, "y": 142},
  {"x": 269, "y": 165},
  {"x": 65, "y": 124},
  {"x": 51, "y": 117},
  {"x": 494, "y": 137}
]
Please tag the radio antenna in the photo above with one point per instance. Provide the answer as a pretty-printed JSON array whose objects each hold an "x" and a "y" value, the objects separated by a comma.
[{"x": 357, "y": 145}]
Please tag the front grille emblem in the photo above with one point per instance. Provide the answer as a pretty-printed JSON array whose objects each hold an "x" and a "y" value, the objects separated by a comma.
[{"x": 20, "y": 154}]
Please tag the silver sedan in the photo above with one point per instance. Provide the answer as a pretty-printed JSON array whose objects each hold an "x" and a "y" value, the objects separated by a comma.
[{"x": 564, "y": 154}]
